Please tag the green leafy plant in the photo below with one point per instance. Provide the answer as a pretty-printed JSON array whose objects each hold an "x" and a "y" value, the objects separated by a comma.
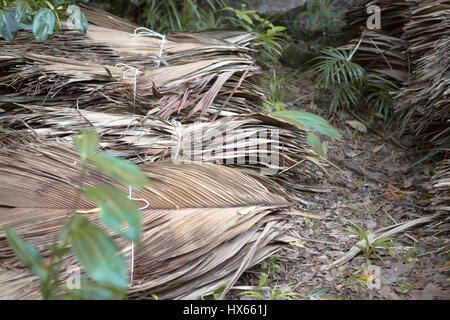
[
  {"x": 277, "y": 293},
  {"x": 278, "y": 90},
  {"x": 311, "y": 122},
  {"x": 350, "y": 85},
  {"x": 268, "y": 267},
  {"x": 404, "y": 287},
  {"x": 270, "y": 36},
  {"x": 338, "y": 74},
  {"x": 371, "y": 247},
  {"x": 377, "y": 93},
  {"x": 216, "y": 294},
  {"x": 42, "y": 17},
  {"x": 356, "y": 282},
  {"x": 91, "y": 245}
]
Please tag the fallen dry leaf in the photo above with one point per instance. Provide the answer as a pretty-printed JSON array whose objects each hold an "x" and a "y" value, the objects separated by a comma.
[{"x": 392, "y": 193}]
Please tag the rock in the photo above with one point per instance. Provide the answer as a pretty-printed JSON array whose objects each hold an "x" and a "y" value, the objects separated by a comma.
[{"x": 268, "y": 7}]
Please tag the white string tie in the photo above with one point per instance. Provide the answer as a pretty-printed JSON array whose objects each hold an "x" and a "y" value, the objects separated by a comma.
[
  {"x": 145, "y": 32},
  {"x": 137, "y": 72},
  {"x": 132, "y": 242},
  {"x": 178, "y": 130}
]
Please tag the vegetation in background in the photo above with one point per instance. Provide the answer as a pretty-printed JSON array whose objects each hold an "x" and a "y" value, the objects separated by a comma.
[
  {"x": 175, "y": 16},
  {"x": 92, "y": 247},
  {"x": 270, "y": 37},
  {"x": 350, "y": 85},
  {"x": 42, "y": 17},
  {"x": 323, "y": 20},
  {"x": 319, "y": 25}
]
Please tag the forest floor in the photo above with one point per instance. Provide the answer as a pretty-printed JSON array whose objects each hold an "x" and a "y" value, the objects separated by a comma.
[{"x": 375, "y": 187}]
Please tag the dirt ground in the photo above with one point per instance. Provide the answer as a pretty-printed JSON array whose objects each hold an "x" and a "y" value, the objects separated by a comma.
[{"x": 375, "y": 187}]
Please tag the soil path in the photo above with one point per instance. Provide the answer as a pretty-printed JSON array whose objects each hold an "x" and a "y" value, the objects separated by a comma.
[{"x": 375, "y": 188}]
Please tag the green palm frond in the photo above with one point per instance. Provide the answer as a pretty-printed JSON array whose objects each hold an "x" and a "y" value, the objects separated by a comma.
[
  {"x": 378, "y": 94},
  {"x": 334, "y": 67},
  {"x": 346, "y": 95}
]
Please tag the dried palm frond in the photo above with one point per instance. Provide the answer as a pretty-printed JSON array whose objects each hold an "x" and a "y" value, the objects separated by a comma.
[
  {"x": 183, "y": 76},
  {"x": 394, "y": 15},
  {"x": 102, "y": 18},
  {"x": 255, "y": 143},
  {"x": 380, "y": 54},
  {"x": 380, "y": 51},
  {"x": 181, "y": 91},
  {"x": 412, "y": 47},
  {"x": 203, "y": 224},
  {"x": 426, "y": 99},
  {"x": 441, "y": 187}
]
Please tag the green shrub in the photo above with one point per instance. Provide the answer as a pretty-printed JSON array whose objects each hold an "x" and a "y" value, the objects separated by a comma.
[{"x": 42, "y": 17}]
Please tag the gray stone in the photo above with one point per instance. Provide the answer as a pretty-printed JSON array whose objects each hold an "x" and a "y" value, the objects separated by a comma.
[{"x": 268, "y": 7}]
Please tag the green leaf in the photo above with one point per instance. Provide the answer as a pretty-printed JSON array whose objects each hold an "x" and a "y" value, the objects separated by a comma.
[
  {"x": 263, "y": 279},
  {"x": 43, "y": 24},
  {"x": 3, "y": 130},
  {"x": 117, "y": 209},
  {"x": 314, "y": 141},
  {"x": 359, "y": 231},
  {"x": 28, "y": 254},
  {"x": 122, "y": 171},
  {"x": 96, "y": 252},
  {"x": 23, "y": 15},
  {"x": 308, "y": 121},
  {"x": 8, "y": 25},
  {"x": 86, "y": 142},
  {"x": 78, "y": 18}
]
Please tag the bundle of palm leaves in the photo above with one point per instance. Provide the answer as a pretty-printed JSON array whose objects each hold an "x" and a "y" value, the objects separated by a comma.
[
  {"x": 206, "y": 223},
  {"x": 380, "y": 54},
  {"x": 380, "y": 51},
  {"x": 426, "y": 99},
  {"x": 394, "y": 15},
  {"x": 254, "y": 143},
  {"x": 204, "y": 226},
  {"x": 441, "y": 187},
  {"x": 177, "y": 76},
  {"x": 412, "y": 47}
]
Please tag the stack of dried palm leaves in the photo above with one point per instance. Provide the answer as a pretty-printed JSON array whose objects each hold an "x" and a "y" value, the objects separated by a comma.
[
  {"x": 206, "y": 223},
  {"x": 394, "y": 15},
  {"x": 413, "y": 48},
  {"x": 207, "y": 75},
  {"x": 441, "y": 187},
  {"x": 178, "y": 76},
  {"x": 381, "y": 54},
  {"x": 204, "y": 226},
  {"x": 380, "y": 51},
  {"x": 426, "y": 98},
  {"x": 251, "y": 142}
]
